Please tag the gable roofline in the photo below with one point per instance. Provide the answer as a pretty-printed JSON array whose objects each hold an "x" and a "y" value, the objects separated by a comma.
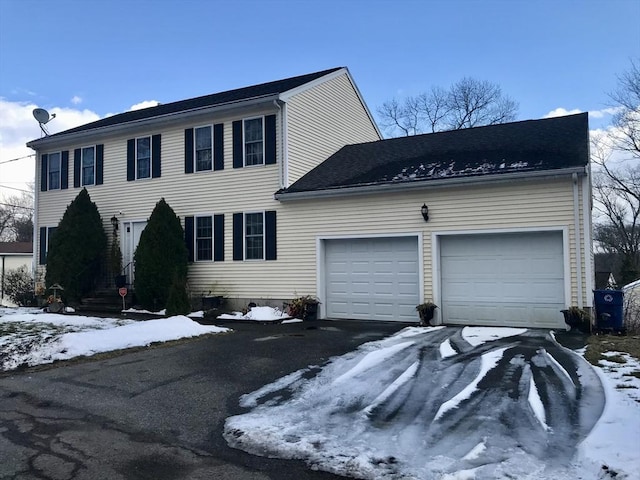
[
  {"x": 16, "y": 248},
  {"x": 237, "y": 98},
  {"x": 285, "y": 96},
  {"x": 378, "y": 188}
]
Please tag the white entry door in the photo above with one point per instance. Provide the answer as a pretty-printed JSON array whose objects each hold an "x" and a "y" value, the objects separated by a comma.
[
  {"x": 511, "y": 279},
  {"x": 372, "y": 278},
  {"x": 131, "y": 238}
]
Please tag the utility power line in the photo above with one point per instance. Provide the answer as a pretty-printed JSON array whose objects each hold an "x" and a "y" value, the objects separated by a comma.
[{"x": 16, "y": 159}]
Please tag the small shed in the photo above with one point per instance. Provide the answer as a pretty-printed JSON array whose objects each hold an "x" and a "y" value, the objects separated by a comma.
[{"x": 13, "y": 255}]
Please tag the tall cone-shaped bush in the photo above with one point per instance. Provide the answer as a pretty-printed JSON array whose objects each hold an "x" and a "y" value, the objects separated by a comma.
[
  {"x": 160, "y": 259},
  {"x": 77, "y": 249}
]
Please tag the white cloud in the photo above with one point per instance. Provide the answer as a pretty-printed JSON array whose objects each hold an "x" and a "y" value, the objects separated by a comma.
[
  {"x": 604, "y": 112},
  {"x": 560, "y": 112},
  {"x": 17, "y": 127},
  {"x": 76, "y": 100},
  {"x": 144, "y": 104}
]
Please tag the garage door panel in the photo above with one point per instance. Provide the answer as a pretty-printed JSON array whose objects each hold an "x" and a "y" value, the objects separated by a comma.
[
  {"x": 384, "y": 271},
  {"x": 520, "y": 275}
]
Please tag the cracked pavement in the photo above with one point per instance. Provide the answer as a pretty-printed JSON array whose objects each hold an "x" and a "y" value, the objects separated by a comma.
[{"x": 158, "y": 413}]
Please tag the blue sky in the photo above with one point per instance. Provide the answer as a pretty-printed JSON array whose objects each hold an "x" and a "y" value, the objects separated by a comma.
[{"x": 88, "y": 59}]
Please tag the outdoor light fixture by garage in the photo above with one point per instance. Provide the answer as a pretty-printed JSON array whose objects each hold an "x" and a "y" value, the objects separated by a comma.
[
  {"x": 114, "y": 223},
  {"x": 425, "y": 212}
]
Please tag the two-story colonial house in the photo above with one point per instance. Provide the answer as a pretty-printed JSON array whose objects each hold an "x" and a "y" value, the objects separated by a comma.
[{"x": 286, "y": 188}]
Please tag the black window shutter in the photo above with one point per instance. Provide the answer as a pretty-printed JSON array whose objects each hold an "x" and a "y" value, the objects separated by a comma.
[
  {"x": 188, "y": 150},
  {"x": 238, "y": 157},
  {"x": 99, "y": 164},
  {"x": 64, "y": 170},
  {"x": 218, "y": 146},
  {"x": 270, "y": 139},
  {"x": 218, "y": 238},
  {"x": 77, "y": 163},
  {"x": 44, "y": 172},
  {"x": 131, "y": 160},
  {"x": 188, "y": 237},
  {"x": 43, "y": 246},
  {"x": 270, "y": 233},
  {"x": 155, "y": 156},
  {"x": 238, "y": 236}
]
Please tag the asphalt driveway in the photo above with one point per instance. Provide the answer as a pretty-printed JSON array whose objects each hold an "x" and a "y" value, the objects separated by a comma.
[{"x": 160, "y": 412}]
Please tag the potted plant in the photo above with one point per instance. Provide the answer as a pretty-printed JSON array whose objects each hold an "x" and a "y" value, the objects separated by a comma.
[
  {"x": 426, "y": 311},
  {"x": 576, "y": 317},
  {"x": 304, "y": 307}
]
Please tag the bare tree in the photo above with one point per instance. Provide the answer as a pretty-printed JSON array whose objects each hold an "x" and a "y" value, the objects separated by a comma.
[
  {"x": 626, "y": 99},
  {"x": 616, "y": 184},
  {"x": 467, "y": 103},
  {"x": 16, "y": 217}
]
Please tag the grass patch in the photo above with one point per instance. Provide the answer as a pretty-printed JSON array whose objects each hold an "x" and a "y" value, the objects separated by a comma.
[
  {"x": 598, "y": 345},
  {"x": 622, "y": 386},
  {"x": 632, "y": 374}
]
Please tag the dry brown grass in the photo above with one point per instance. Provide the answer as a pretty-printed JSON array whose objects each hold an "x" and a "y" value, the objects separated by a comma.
[{"x": 597, "y": 345}]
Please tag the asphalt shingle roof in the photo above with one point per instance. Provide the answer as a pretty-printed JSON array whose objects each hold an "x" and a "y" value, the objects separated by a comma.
[
  {"x": 16, "y": 247},
  {"x": 531, "y": 145},
  {"x": 239, "y": 94}
]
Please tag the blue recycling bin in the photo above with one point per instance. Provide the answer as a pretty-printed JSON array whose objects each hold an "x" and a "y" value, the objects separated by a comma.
[{"x": 609, "y": 309}]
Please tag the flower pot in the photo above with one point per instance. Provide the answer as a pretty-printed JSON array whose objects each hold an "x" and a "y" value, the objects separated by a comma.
[
  {"x": 211, "y": 302},
  {"x": 427, "y": 315},
  {"x": 310, "y": 312}
]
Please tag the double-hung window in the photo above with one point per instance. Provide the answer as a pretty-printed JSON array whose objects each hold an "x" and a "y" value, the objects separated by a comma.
[
  {"x": 254, "y": 236},
  {"x": 203, "y": 139},
  {"x": 143, "y": 157},
  {"x": 88, "y": 165},
  {"x": 253, "y": 141},
  {"x": 55, "y": 168},
  {"x": 204, "y": 238}
]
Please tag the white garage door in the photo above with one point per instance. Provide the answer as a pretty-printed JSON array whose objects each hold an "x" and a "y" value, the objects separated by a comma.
[
  {"x": 372, "y": 278},
  {"x": 505, "y": 279}
]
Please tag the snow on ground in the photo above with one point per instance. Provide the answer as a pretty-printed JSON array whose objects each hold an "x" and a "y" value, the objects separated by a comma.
[
  {"x": 257, "y": 314},
  {"x": 32, "y": 337},
  {"x": 412, "y": 407}
]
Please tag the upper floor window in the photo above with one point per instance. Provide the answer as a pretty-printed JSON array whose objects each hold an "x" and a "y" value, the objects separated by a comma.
[
  {"x": 203, "y": 139},
  {"x": 88, "y": 165},
  {"x": 143, "y": 157},
  {"x": 253, "y": 141},
  {"x": 55, "y": 168}
]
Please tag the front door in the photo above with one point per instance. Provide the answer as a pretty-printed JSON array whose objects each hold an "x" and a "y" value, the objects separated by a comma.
[{"x": 131, "y": 238}]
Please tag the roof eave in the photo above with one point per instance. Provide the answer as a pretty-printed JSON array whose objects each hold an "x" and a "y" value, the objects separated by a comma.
[
  {"x": 62, "y": 139},
  {"x": 429, "y": 184}
]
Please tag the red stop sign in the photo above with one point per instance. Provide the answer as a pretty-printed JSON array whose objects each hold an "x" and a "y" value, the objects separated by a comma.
[{"x": 122, "y": 291}]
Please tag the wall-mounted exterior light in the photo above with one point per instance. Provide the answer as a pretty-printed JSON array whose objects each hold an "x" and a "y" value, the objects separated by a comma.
[{"x": 425, "y": 212}]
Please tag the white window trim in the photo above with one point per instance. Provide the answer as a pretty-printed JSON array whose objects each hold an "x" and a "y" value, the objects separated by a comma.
[
  {"x": 244, "y": 237},
  {"x": 195, "y": 236},
  {"x": 244, "y": 144},
  {"x": 195, "y": 151},
  {"x": 135, "y": 166},
  {"x": 95, "y": 160},
  {"x": 59, "y": 187}
]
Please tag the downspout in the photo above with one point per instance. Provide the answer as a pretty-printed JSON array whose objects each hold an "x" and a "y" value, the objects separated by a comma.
[
  {"x": 34, "y": 242},
  {"x": 2, "y": 286},
  {"x": 578, "y": 242},
  {"x": 279, "y": 104}
]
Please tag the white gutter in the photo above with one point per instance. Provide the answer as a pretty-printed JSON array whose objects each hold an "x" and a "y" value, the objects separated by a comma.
[
  {"x": 431, "y": 184},
  {"x": 588, "y": 234},
  {"x": 75, "y": 137},
  {"x": 578, "y": 242}
]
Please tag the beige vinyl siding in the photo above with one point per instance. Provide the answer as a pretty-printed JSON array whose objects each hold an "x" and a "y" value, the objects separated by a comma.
[
  {"x": 501, "y": 207},
  {"x": 321, "y": 120},
  {"x": 222, "y": 191}
]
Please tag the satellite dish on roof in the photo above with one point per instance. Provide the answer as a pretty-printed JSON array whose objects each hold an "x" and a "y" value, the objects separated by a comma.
[{"x": 43, "y": 117}]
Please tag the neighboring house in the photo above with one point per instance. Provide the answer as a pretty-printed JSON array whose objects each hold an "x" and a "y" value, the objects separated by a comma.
[
  {"x": 605, "y": 279},
  {"x": 508, "y": 236},
  {"x": 13, "y": 255}
]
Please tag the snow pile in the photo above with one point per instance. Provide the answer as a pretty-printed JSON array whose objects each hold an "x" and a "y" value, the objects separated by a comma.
[
  {"x": 32, "y": 338},
  {"x": 257, "y": 314}
]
